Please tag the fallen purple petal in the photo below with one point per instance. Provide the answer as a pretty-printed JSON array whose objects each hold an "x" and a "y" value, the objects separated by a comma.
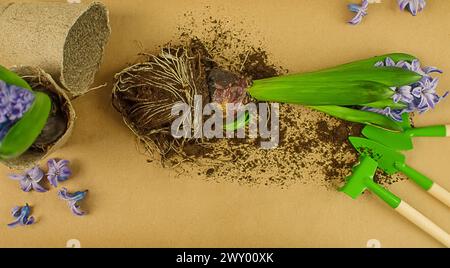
[
  {"x": 360, "y": 10},
  {"x": 73, "y": 200},
  {"x": 30, "y": 180},
  {"x": 22, "y": 216},
  {"x": 58, "y": 171},
  {"x": 414, "y": 6}
]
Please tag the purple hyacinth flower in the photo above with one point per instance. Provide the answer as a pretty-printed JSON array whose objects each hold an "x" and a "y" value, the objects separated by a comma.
[
  {"x": 420, "y": 96},
  {"x": 22, "y": 216},
  {"x": 360, "y": 10},
  {"x": 58, "y": 171},
  {"x": 73, "y": 199},
  {"x": 14, "y": 103},
  {"x": 414, "y": 6},
  {"x": 30, "y": 180}
]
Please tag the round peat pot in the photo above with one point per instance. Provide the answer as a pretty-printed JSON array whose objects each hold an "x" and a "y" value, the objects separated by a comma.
[{"x": 46, "y": 125}]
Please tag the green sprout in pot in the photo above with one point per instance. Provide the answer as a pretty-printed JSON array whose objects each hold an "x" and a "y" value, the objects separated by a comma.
[
  {"x": 371, "y": 91},
  {"x": 26, "y": 116}
]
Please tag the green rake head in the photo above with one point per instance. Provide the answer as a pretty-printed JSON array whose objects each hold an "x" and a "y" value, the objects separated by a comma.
[{"x": 363, "y": 173}]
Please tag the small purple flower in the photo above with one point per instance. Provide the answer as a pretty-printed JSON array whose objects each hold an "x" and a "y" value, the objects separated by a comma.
[
  {"x": 73, "y": 199},
  {"x": 58, "y": 171},
  {"x": 30, "y": 180},
  {"x": 22, "y": 216},
  {"x": 14, "y": 103},
  {"x": 360, "y": 10},
  {"x": 414, "y": 6}
]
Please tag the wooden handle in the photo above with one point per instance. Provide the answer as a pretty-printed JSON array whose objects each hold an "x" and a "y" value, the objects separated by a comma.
[
  {"x": 423, "y": 223},
  {"x": 447, "y": 127},
  {"x": 440, "y": 194}
]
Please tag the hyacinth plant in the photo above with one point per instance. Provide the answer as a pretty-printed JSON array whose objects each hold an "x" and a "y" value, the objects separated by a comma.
[
  {"x": 376, "y": 91},
  {"x": 361, "y": 10},
  {"x": 23, "y": 114}
]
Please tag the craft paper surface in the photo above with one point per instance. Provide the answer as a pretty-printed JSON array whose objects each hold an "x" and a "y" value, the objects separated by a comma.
[{"x": 133, "y": 203}]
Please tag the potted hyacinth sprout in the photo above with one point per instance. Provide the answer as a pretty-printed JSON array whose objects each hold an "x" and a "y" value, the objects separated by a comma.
[
  {"x": 31, "y": 117},
  {"x": 375, "y": 91}
]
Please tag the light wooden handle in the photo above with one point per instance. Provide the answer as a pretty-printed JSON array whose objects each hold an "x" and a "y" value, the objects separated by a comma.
[
  {"x": 440, "y": 194},
  {"x": 447, "y": 127},
  {"x": 423, "y": 223}
]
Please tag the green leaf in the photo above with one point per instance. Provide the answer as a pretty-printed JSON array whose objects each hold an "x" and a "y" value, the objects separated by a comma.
[
  {"x": 367, "y": 63},
  {"x": 239, "y": 123},
  {"x": 24, "y": 133},
  {"x": 348, "y": 84},
  {"x": 389, "y": 76},
  {"x": 314, "y": 92},
  {"x": 12, "y": 78},
  {"x": 359, "y": 116}
]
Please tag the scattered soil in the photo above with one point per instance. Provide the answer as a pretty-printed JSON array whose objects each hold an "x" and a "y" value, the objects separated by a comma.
[{"x": 314, "y": 147}]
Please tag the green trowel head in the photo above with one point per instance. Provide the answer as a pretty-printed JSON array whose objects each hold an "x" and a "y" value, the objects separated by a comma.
[
  {"x": 397, "y": 140},
  {"x": 393, "y": 139},
  {"x": 362, "y": 172},
  {"x": 386, "y": 157}
]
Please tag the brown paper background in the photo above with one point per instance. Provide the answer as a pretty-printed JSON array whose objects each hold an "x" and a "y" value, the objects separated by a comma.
[{"x": 136, "y": 204}]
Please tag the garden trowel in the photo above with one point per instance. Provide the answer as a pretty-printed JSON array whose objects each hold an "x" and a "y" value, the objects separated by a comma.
[
  {"x": 403, "y": 140},
  {"x": 391, "y": 162},
  {"x": 362, "y": 180}
]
